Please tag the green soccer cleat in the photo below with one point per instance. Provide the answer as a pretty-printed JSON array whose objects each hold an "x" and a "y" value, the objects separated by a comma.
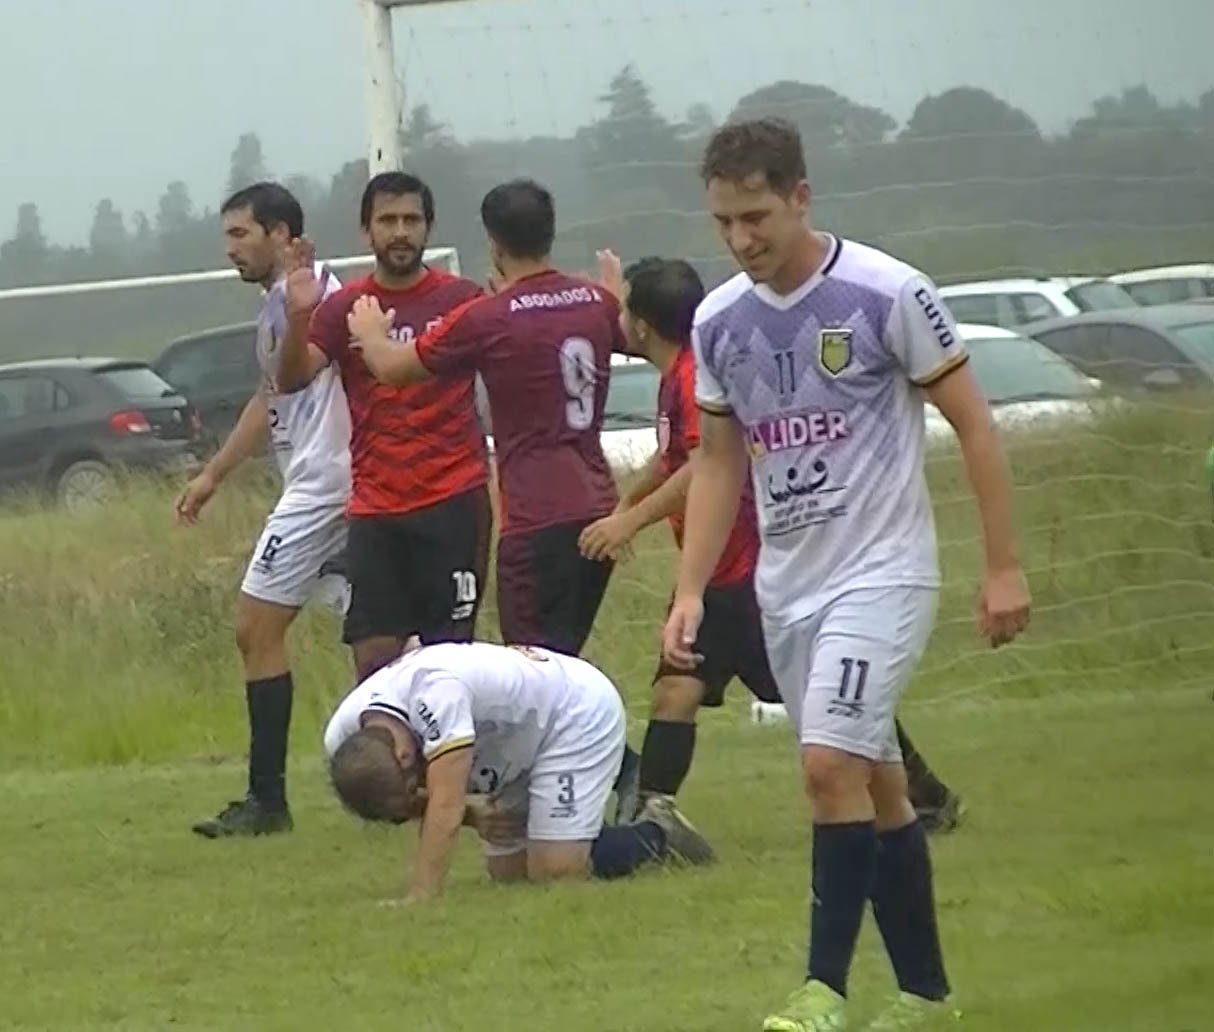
[
  {"x": 815, "y": 1007},
  {"x": 910, "y": 1011},
  {"x": 245, "y": 817}
]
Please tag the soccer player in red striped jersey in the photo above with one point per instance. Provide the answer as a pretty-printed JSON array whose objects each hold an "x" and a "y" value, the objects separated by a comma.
[
  {"x": 542, "y": 345},
  {"x": 419, "y": 511},
  {"x": 659, "y": 301}
]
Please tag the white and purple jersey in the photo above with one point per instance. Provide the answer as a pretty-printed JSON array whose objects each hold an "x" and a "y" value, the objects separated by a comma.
[
  {"x": 309, "y": 428},
  {"x": 826, "y": 381}
]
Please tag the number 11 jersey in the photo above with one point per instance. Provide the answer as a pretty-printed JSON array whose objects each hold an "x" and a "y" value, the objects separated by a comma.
[{"x": 543, "y": 349}]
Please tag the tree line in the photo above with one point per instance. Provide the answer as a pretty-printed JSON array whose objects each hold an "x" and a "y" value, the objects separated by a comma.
[{"x": 968, "y": 186}]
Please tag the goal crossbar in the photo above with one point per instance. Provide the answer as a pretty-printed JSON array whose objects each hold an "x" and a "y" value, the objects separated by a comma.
[{"x": 432, "y": 254}]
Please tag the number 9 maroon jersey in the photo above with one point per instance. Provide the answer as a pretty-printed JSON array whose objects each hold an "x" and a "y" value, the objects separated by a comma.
[{"x": 543, "y": 348}]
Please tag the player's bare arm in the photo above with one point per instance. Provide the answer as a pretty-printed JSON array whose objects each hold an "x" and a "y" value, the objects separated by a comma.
[
  {"x": 446, "y": 791},
  {"x": 390, "y": 363},
  {"x": 719, "y": 469},
  {"x": 301, "y": 359},
  {"x": 247, "y": 437},
  {"x": 1003, "y": 607},
  {"x": 608, "y": 537}
]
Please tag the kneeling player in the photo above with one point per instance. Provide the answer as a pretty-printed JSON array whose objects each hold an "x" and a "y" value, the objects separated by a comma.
[
  {"x": 660, "y": 298},
  {"x": 541, "y": 734}
]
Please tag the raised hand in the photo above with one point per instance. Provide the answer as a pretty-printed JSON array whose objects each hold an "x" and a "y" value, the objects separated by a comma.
[{"x": 302, "y": 288}]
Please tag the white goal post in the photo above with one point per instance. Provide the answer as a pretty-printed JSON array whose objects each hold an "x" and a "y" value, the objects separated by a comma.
[{"x": 385, "y": 102}]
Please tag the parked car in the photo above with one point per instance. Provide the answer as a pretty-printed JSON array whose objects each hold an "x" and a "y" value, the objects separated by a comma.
[
  {"x": 67, "y": 425},
  {"x": 1026, "y": 384},
  {"x": 216, "y": 370},
  {"x": 1169, "y": 284},
  {"x": 1014, "y": 302},
  {"x": 1156, "y": 347}
]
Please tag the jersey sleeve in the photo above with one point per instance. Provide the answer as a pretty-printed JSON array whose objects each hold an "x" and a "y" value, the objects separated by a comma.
[
  {"x": 456, "y": 344},
  {"x": 922, "y": 335},
  {"x": 688, "y": 410},
  {"x": 709, "y": 394},
  {"x": 328, "y": 329},
  {"x": 440, "y": 712}
]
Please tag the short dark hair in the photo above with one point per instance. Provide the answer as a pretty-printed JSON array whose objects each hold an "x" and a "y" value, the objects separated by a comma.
[
  {"x": 665, "y": 292},
  {"x": 369, "y": 779},
  {"x": 520, "y": 218},
  {"x": 271, "y": 204},
  {"x": 771, "y": 146},
  {"x": 395, "y": 184}
]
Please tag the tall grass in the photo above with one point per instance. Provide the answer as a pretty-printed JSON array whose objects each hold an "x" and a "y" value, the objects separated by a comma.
[{"x": 115, "y": 626}]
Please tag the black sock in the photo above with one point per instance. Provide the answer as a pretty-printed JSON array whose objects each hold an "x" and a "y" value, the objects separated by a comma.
[
  {"x": 621, "y": 849},
  {"x": 269, "y": 703},
  {"x": 628, "y": 764},
  {"x": 666, "y": 756},
  {"x": 923, "y": 787},
  {"x": 905, "y": 908},
  {"x": 845, "y": 858}
]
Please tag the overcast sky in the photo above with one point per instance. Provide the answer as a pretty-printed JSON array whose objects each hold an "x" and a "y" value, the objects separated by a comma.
[{"x": 118, "y": 97}]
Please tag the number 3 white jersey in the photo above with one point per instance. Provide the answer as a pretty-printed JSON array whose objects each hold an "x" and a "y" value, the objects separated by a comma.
[
  {"x": 507, "y": 703},
  {"x": 826, "y": 382},
  {"x": 309, "y": 428}
]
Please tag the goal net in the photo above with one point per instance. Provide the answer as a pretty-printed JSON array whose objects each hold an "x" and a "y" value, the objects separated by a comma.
[{"x": 970, "y": 172}]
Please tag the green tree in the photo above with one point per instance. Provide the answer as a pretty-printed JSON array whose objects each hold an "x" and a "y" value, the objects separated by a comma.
[{"x": 247, "y": 165}]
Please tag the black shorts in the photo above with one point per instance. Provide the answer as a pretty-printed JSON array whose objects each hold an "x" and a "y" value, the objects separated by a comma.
[
  {"x": 731, "y": 642},
  {"x": 420, "y": 573},
  {"x": 548, "y": 593}
]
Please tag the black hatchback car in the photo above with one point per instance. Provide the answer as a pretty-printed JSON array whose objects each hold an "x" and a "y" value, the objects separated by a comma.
[
  {"x": 216, "y": 370},
  {"x": 67, "y": 425}
]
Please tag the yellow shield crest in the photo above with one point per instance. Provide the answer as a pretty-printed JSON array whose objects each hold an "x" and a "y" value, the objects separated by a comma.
[{"x": 834, "y": 349}]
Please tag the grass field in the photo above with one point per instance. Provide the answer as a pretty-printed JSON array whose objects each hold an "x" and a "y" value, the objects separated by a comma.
[{"x": 1076, "y": 897}]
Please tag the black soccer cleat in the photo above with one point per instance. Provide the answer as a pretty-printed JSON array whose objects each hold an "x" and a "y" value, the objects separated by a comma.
[
  {"x": 245, "y": 817},
  {"x": 943, "y": 817},
  {"x": 684, "y": 844}
]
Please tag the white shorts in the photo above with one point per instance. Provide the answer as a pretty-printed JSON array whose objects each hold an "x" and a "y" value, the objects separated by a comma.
[
  {"x": 842, "y": 671},
  {"x": 285, "y": 565},
  {"x": 565, "y": 793}
]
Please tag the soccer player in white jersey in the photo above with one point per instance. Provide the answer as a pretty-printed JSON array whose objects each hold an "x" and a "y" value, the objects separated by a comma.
[
  {"x": 816, "y": 360},
  {"x": 309, "y": 432},
  {"x": 521, "y": 743}
]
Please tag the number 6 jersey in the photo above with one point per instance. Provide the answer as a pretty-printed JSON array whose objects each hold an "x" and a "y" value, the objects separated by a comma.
[{"x": 543, "y": 349}]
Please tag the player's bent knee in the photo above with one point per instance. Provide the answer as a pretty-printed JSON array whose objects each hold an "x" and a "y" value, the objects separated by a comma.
[
  {"x": 553, "y": 861},
  {"x": 677, "y": 698},
  {"x": 512, "y": 867},
  {"x": 831, "y": 775},
  {"x": 261, "y": 629}
]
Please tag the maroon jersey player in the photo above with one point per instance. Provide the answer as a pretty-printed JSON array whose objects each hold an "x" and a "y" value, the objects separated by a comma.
[{"x": 542, "y": 345}]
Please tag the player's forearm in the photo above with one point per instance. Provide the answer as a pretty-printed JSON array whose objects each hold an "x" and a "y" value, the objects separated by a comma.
[
  {"x": 650, "y": 479},
  {"x": 393, "y": 364},
  {"x": 246, "y": 438},
  {"x": 440, "y": 833},
  {"x": 294, "y": 370},
  {"x": 669, "y": 498},
  {"x": 987, "y": 469},
  {"x": 713, "y": 497}
]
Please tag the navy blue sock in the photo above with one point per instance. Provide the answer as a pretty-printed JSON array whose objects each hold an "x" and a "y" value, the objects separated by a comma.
[
  {"x": 269, "y": 704},
  {"x": 845, "y": 858},
  {"x": 905, "y": 908},
  {"x": 628, "y": 765},
  {"x": 621, "y": 849}
]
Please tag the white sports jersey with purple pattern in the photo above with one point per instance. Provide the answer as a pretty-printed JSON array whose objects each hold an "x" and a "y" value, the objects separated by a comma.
[{"x": 827, "y": 383}]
